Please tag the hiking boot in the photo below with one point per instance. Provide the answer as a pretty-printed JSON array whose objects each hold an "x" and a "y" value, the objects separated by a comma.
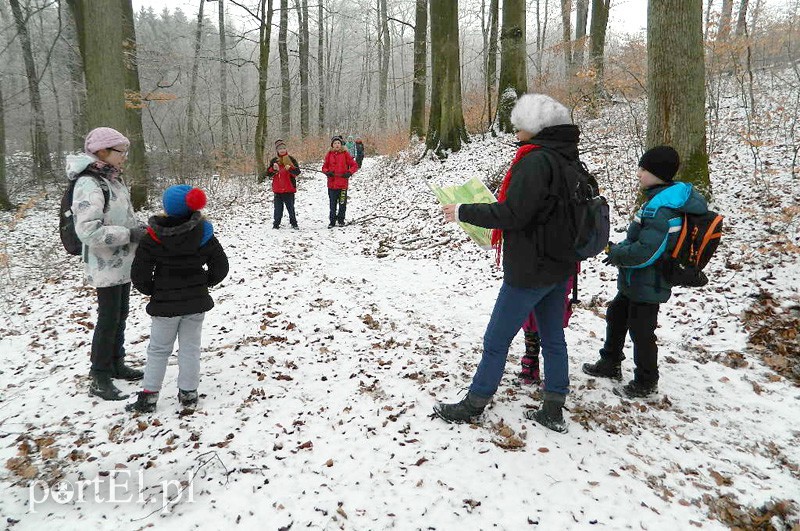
[
  {"x": 331, "y": 225},
  {"x": 634, "y": 389},
  {"x": 295, "y": 227},
  {"x": 123, "y": 372},
  {"x": 529, "y": 374},
  {"x": 467, "y": 410},
  {"x": 275, "y": 226},
  {"x": 102, "y": 386},
  {"x": 604, "y": 368},
  {"x": 145, "y": 402},
  {"x": 187, "y": 399},
  {"x": 550, "y": 414},
  {"x": 341, "y": 223}
]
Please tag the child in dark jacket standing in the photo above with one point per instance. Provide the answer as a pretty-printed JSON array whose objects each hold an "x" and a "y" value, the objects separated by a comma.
[
  {"x": 339, "y": 165},
  {"x": 176, "y": 264},
  {"x": 283, "y": 170},
  {"x": 641, "y": 285}
]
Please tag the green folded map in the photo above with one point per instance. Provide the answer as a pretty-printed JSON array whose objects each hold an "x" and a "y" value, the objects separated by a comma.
[{"x": 472, "y": 191}]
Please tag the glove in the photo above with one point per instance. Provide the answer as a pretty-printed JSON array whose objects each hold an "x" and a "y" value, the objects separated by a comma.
[
  {"x": 329, "y": 174},
  {"x": 347, "y": 175},
  {"x": 607, "y": 260},
  {"x": 138, "y": 233}
]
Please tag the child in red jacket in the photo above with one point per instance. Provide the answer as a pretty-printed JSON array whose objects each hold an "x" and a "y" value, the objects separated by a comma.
[
  {"x": 339, "y": 165},
  {"x": 283, "y": 170}
]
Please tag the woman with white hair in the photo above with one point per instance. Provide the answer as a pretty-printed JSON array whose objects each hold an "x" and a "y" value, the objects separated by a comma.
[{"x": 533, "y": 241}]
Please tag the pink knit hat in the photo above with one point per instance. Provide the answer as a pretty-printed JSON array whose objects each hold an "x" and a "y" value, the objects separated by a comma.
[{"x": 104, "y": 138}]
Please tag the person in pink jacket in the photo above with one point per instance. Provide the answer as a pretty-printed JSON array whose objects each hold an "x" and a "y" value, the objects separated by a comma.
[{"x": 339, "y": 166}]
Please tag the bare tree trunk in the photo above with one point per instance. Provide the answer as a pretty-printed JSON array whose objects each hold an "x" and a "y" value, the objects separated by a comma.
[
  {"x": 59, "y": 158},
  {"x": 541, "y": 34},
  {"x": 302, "y": 16},
  {"x": 755, "y": 12},
  {"x": 136, "y": 165},
  {"x": 283, "y": 52},
  {"x": 320, "y": 72},
  {"x": 5, "y": 202},
  {"x": 100, "y": 35},
  {"x": 676, "y": 85},
  {"x": 41, "y": 148},
  {"x": 707, "y": 19},
  {"x": 417, "y": 127},
  {"x": 566, "y": 33},
  {"x": 491, "y": 59},
  {"x": 383, "y": 47},
  {"x": 446, "y": 129},
  {"x": 191, "y": 139},
  {"x": 264, "y": 31},
  {"x": 58, "y": 161},
  {"x": 77, "y": 87},
  {"x": 741, "y": 22},
  {"x": 223, "y": 80},
  {"x": 513, "y": 61},
  {"x": 725, "y": 18},
  {"x": 581, "y": 19},
  {"x": 597, "y": 52}
]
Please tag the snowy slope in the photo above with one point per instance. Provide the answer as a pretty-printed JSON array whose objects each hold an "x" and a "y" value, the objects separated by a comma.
[{"x": 328, "y": 348}]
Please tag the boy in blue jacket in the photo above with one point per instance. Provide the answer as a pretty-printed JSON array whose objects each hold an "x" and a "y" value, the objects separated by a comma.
[{"x": 641, "y": 284}]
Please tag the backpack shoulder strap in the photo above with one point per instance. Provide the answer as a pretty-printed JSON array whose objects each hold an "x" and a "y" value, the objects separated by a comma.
[{"x": 102, "y": 184}]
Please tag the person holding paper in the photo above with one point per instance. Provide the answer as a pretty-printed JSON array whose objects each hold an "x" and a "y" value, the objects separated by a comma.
[{"x": 530, "y": 236}]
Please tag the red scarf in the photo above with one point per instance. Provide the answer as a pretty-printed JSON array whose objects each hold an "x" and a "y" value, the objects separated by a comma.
[{"x": 497, "y": 234}]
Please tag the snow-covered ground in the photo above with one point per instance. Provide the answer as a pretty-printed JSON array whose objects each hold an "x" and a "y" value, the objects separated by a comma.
[{"x": 328, "y": 348}]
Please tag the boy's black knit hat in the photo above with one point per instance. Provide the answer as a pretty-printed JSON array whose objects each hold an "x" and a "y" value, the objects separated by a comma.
[
  {"x": 335, "y": 138},
  {"x": 661, "y": 161}
]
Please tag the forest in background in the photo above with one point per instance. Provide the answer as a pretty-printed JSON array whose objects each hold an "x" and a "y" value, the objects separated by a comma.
[{"x": 337, "y": 67}]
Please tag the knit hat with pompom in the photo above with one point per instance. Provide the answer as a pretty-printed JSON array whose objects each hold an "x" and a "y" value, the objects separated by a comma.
[{"x": 181, "y": 200}]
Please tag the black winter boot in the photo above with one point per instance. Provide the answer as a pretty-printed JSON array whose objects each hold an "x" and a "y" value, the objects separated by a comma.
[
  {"x": 605, "y": 367},
  {"x": 634, "y": 389},
  {"x": 187, "y": 399},
  {"x": 467, "y": 410},
  {"x": 123, "y": 372},
  {"x": 145, "y": 403},
  {"x": 550, "y": 415},
  {"x": 103, "y": 387}
]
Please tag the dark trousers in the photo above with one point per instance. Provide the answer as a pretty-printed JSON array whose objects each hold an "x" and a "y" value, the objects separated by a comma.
[
  {"x": 109, "y": 333},
  {"x": 337, "y": 197},
  {"x": 280, "y": 201},
  {"x": 640, "y": 320}
]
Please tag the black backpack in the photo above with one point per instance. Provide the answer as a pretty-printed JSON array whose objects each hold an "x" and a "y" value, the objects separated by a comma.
[
  {"x": 66, "y": 219},
  {"x": 580, "y": 209},
  {"x": 697, "y": 241}
]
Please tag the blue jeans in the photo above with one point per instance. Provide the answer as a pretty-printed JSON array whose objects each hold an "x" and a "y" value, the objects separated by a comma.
[{"x": 512, "y": 307}]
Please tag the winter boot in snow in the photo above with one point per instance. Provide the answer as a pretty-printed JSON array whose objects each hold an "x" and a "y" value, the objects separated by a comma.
[
  {"x": 145, "y": 402},
  {"x": 187, "y": 399},
  {"x": 103, "y": 387},
  {"x": 529, "y": 374},
  {"x": 123, "y": 372},
  {"x": 550, "y": 415},
  {"x": 634, "y": 389},
  {"x": 605, "y": 367},
  {"x": 467, "y": 410}
]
